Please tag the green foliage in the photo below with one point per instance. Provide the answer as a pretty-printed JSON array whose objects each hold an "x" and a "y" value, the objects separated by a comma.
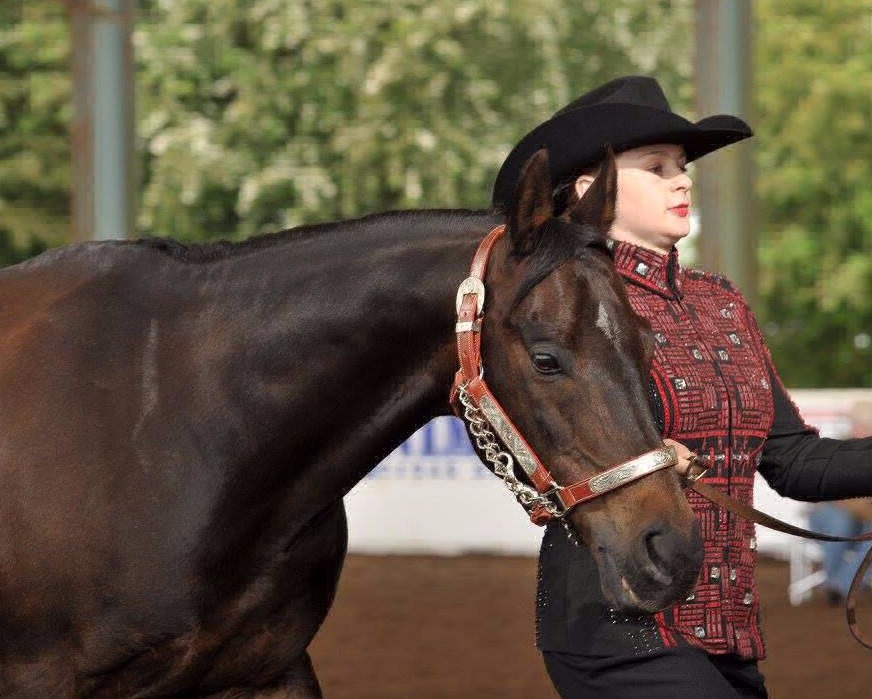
[
  {"x": 257, "y": 115},
  {"x": 35, "y": 117},
  {"x": 814, "y": 86}
]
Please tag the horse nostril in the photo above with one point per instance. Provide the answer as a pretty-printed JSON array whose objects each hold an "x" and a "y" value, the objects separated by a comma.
[{"x": 661, "y": 547}]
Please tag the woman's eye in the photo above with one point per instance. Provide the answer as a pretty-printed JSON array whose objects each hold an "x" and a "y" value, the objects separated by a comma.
[{"x": 545, "y": 363}]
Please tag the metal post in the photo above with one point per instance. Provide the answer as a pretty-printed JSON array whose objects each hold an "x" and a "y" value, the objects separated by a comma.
[
  {"x": 103, "y": 127},
  {"x": 81, "y": 128},
  {"x": 724, "y": 190}
]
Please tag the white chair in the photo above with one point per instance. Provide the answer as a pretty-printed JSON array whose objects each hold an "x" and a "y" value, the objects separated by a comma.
[
  {"x": 805, "y": 570},
  {"x": 803, "y": 555}
]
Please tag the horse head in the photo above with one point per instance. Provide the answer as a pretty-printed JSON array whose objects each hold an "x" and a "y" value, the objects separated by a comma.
[{"x": 568, "y": 359}]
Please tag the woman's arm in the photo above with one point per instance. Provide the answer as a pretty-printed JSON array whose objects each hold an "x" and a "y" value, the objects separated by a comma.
[{"x": 800, "y": 464}]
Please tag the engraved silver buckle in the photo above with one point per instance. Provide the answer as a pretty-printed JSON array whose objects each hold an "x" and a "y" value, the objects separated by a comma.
[{"x": 471, "y": 285}]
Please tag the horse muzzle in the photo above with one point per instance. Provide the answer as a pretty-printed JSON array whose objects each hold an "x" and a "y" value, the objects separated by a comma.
[{"x": 659, "y": 569}]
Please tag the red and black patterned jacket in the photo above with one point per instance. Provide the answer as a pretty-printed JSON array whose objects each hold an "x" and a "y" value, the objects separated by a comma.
[{"x": 715, "y": 390}]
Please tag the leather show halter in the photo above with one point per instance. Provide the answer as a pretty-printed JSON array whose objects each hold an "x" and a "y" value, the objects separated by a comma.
[
  {"x": 501, "y": 444},
  {"x": 473, "y": 401}
]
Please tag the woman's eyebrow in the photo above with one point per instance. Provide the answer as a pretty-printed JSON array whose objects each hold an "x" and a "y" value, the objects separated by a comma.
[
  {"x": 660, "y": 151},
  {"x": 679, "y": 157}
]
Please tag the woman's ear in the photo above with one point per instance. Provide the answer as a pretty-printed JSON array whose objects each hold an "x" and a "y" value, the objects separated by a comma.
[
  {"x": 582, "y": 184},
  {"x": 600, "y": 191}
]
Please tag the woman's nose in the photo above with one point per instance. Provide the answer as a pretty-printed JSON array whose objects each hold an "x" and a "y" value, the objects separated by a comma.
[{"x": 683, "y": 182}]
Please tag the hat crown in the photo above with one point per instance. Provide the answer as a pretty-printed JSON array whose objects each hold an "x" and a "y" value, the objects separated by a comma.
[
  {"x": 636, "y": 90},
  {"x": 626, "y": 112}
]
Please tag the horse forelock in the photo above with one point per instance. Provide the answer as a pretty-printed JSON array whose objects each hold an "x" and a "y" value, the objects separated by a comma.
[{"x": 556, "y": 243}]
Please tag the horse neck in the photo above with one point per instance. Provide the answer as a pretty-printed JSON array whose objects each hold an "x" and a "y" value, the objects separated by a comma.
[{"x": 357, "y": 324}]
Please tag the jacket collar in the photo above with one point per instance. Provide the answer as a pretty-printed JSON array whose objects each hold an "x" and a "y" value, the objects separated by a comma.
[{"x": 652, "y": 270}]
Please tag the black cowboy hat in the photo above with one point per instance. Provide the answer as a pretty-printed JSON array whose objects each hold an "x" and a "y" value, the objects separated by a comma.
[{"x": 625, "y": 113}]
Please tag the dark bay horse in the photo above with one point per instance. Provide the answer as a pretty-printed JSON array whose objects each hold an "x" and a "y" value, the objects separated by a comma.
[{"x": 180, "y": 424}]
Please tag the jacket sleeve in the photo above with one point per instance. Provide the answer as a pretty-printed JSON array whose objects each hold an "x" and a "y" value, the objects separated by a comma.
[{"x": 800, "y": 464}]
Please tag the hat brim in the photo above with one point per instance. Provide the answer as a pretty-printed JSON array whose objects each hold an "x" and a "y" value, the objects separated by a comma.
[{"x": 577, "y": 139}]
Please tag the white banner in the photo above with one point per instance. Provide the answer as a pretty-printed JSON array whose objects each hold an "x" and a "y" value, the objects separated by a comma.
[{"x": 433, "y": 495}]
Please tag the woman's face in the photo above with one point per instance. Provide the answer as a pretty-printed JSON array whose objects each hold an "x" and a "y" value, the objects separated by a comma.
[{"x": 653, "y": 206}]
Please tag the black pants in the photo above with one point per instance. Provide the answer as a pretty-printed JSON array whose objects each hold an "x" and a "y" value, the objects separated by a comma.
[{"x": 674, "y": 673}]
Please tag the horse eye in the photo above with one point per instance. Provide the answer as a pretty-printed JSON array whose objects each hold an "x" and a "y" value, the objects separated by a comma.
[{"x": 545, "y": 363}]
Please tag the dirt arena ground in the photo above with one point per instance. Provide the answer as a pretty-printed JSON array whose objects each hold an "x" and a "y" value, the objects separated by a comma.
[{"x": 406, "y": 627}]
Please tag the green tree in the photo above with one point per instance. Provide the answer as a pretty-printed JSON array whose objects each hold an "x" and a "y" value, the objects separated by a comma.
[
  {"x": 814, "y": 86},
  {"x": 261, "y": 114},
  {"x": 35, "y": 115}
]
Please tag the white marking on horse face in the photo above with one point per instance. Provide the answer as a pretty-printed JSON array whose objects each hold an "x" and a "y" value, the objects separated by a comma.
[{"x": 604, "y": 323}]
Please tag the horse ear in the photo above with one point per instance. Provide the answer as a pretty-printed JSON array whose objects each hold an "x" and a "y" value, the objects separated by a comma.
[
  {"x": 597, "y": 206},
  {"x": 531, "y": 205}
]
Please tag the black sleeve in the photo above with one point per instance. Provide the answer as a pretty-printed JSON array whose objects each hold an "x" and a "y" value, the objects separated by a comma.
[{"x": 800, "y": 464}]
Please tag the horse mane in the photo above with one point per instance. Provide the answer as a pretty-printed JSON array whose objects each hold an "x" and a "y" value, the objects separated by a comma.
[
  {"x": 424, "y": 221},
  {"x": 556, "y": 243}
]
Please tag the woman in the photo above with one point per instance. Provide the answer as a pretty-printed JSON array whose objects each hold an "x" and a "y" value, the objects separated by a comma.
[{"x": 714, "y": 392}]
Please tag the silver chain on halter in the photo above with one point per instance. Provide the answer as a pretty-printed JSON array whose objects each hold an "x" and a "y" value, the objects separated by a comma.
[{"x": 502, "y": 461}]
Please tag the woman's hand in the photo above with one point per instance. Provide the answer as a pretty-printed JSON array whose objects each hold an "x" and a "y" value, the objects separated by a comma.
[{"x": 689, "y": 466}]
